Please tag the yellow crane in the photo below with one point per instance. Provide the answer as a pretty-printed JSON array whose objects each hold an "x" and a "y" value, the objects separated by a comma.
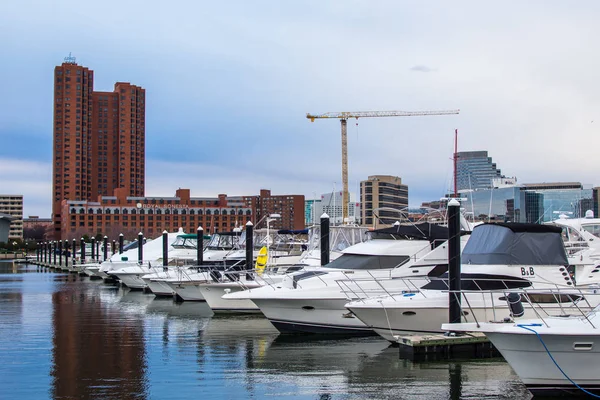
[{"x": 344, "y": 116}]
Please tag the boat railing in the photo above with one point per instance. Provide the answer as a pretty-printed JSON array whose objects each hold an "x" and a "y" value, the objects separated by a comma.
[
  {"x": 365, "y": 287},
  {"x": 568, "y": 300}
]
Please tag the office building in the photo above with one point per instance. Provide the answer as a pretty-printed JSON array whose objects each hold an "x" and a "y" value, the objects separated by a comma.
[
  {"x": 12, "y": 205},
  {"x": 475, "y": 170},
  {"x": 99, "y": 139},
  {"x": 331, "y": 204},
  {"x": 533, "y": 203},
  {"x": 381, "y": 196},
  {"x": 289, "y": 208},
  {"x": 310, "y": 212}
]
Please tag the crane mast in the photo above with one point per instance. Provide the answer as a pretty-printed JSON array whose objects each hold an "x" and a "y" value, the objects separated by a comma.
[{"x": 344, "y": 116}]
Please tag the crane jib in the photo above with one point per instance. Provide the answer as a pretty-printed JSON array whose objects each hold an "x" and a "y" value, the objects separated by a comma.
[{"x": 343, "y": 116}]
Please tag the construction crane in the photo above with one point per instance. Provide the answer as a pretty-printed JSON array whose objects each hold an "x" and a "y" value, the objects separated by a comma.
[{"x": 344, "y": 116}]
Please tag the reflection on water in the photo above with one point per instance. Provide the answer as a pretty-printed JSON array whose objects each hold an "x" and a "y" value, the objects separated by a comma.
[{"x": 73, "y": 338}]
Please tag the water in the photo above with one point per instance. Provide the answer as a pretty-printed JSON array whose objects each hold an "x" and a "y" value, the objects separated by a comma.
[{"x": 66, "y": 337}]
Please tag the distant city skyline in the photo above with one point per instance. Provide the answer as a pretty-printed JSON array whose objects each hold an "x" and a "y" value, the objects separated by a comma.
[{"x": 229, "y": 85}]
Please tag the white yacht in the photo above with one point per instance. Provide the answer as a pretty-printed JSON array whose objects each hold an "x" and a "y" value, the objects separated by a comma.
[
  {"x": 313, "y": 301},
  {"x": 551, "y": 355},
  {"x": 182, "y": 280},
  {"x": 284, "y": 245},
  {"x": 497, "y": 256},
  {"x": 181, "y": 250},
  {"x": 277, "y": 268}
]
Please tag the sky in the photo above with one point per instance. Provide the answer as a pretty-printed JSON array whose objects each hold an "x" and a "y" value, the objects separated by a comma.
[{"x": 228, "y": 85}]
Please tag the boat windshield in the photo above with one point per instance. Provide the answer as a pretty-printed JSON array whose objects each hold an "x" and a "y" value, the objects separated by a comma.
[
  {"x": 340, "y": 237},
  {"x": 367, "y": 261},
  {"x": 594, "y": 229},
  {"x": 131, "y": 245},
  {"x": 222, "y": 242},
  {"x": 186, "y": 242}
]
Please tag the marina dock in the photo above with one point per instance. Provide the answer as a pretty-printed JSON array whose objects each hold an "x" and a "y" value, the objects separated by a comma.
[{"x": 443, "y": 347}]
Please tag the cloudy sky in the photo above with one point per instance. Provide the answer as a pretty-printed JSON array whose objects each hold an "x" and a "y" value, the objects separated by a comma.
[{"x": 229, "y": 83}]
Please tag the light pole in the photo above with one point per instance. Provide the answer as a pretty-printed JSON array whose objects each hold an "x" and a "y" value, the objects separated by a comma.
[{"x": 270, "y": 219}]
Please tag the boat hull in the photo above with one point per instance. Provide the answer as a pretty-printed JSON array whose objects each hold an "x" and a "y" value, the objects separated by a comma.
[
  {"x": 188, "y": 291},
  {"x": 159, "y": 288},
  {"x": 213, "y": 293},
  {"x": 319, "y": 316},
  {"x": 528, "y": 358},
  {"x": 132, "y": 281}
]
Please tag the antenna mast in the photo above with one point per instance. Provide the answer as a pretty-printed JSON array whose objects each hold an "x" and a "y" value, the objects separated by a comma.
[{"x": 455, "y": 162}]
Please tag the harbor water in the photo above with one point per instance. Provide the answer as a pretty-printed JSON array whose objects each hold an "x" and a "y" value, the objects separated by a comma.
[{"x": 66, "y": 337}]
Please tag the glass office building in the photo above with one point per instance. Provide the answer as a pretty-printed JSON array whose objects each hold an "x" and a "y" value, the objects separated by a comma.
[
  {"x": 475, "y": 170},
  {"x": 534, "y": 203}
]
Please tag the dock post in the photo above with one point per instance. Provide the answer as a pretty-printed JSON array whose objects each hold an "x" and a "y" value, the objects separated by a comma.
[
  {"x": 45, "y": 252},
  {"x": 93, "y": 240},
  {"x": 74, "y": 252},
  {"x": 200, "y": 246},
  {"x": 250, "y": 245},
  {"x": 54, "y": 245},
  {"x": 60, "y": 255},
  {"x": 140, "y": 248},
  {"x": 105, "y": 248},
  {"x": 454, "y": 295},
  {"x": 165, "y": 243},
  {"x": 121, "y": 238},
  {"x": 98, "y": 250},
  {"x": 324, "y": 239},
  {"x": 82, "y": 249},
  {"x": 113, "y": 248}
]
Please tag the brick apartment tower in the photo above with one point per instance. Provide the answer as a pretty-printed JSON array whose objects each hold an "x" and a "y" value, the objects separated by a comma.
[{"x": 99, "y": 139}]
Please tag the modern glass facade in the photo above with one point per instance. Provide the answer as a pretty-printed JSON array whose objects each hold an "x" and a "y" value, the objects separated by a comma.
[
  {"x": 475, "y": 170},
  {"x": 520, "y": 204}
]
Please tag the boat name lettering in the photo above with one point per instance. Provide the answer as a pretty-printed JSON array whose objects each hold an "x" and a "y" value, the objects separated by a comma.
[{"x": 527, "y": 271}]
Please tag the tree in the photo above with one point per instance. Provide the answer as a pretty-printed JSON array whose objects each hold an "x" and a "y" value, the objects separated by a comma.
[{"x": 37, "y": 232}]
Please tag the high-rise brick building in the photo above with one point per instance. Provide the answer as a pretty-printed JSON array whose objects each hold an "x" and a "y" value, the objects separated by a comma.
[{"x": 99, "y": 139}]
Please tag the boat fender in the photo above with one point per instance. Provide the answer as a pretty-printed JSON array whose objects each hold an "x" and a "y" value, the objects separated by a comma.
[{"x": 515, "y": 305}]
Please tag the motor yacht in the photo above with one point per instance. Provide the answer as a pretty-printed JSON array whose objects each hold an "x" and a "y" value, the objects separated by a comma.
[
  {"x": 163, "y": 282},
  {"x": 313, "y": 301},
  {"x": 278, "y": 266},
  {"x": 552, "y": 355},
  {"x": 283, "y": 246},
  {"x": 500, "y": 256},
  {"x": 181, "y": 251}
]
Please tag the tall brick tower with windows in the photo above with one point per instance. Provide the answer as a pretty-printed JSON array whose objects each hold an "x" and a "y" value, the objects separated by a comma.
[{"x": 99, "y": 138}]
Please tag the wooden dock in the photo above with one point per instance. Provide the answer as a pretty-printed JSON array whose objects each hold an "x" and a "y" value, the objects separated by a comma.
[{"x": 442, "y": 347}]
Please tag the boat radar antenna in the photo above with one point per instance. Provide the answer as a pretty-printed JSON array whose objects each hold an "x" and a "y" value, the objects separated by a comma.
[{"x": 70, "y": 59}]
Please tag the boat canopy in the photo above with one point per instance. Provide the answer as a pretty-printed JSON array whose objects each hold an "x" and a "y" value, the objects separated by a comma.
[
  {"x": 515, "y": 244},
  {"x": 233, "y": 233},
  {"x": 293, "y": 232},
  {"x": 420, "y": 231}
]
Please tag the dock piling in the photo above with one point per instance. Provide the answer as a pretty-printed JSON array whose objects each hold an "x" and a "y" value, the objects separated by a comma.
[
  {"x": 140, "y": 248},
  {"x": 165, "y": 243},
  {"x": 324, "y": 239},
  {"x": 200, "y": 246},
  {"x": 454, "y": 296}
]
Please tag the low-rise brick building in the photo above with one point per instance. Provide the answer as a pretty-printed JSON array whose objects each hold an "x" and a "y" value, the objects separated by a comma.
[{"x": 112, "y": 215}]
